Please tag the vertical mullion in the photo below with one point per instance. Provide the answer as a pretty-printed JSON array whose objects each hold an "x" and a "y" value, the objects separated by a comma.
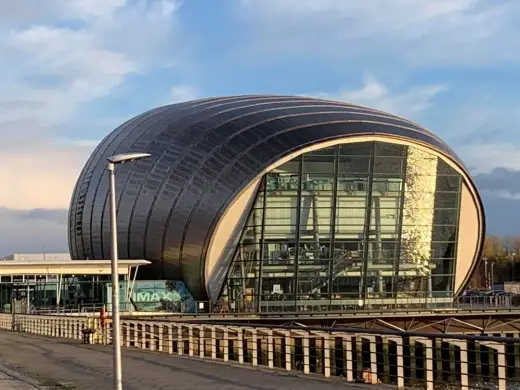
[
  {"x": 333, "y": 222},
  {"x": 397, "y": 260},
  {"x": 262, "y": 243},
  {"x": 368, "y": 217},
  {"x": 298, "y": 212}
]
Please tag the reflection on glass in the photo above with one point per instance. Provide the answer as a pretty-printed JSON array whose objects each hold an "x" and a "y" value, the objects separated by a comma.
[
  {"x": 418, "y": 213},
  {"x": 366, "y": 223}
]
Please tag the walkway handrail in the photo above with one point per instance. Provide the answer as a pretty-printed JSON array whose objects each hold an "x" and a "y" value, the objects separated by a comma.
[{"x": 355, "y": 354}]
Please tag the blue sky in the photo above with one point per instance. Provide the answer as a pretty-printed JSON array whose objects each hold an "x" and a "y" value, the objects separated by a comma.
[{"x": 72, "y": 70}]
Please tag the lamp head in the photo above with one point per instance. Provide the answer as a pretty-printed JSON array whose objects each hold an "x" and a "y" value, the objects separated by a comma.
[{"x": 127, "y": 157}]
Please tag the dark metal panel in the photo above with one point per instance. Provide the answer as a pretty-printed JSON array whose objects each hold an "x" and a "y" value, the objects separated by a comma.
[
  {"x": 98, "y": 172},
  {"x": 194, "y": 150},
  {"x": 204, "y": 153}
]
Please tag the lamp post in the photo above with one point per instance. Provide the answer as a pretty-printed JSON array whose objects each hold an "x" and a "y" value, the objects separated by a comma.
[
  {"x": 486, "y": 275},
  {"x": 116, "y": 331}
]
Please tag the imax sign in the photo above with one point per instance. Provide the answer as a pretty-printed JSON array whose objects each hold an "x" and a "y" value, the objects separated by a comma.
[{"x": 156, "y": 296}]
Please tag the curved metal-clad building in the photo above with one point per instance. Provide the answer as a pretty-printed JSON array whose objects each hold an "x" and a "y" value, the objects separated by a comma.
[{"x": 252, "y": 198}]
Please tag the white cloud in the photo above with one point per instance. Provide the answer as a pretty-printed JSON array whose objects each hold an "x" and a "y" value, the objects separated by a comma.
[
  {"x": 376, "y": 95},
  {"x": 483, "y": 158},
  {"x": 182, "y": 93},
  {"x": 422, "y": 32},
  {"x": 55, "y": 59},
  {"x": 28, "y": 231}
]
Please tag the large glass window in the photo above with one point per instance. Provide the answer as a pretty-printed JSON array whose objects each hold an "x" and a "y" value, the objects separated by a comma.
[{"x": 368, "y": 223}]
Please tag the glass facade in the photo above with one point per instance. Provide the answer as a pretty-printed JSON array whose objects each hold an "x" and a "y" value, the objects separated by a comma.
[{"x": 358, "y": 224}]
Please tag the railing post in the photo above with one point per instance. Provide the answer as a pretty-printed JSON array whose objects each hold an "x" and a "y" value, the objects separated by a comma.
[
  {"x": 326, "y": 355},
  {"x": 213, "y": 342},
  {"x": 170, "y": 339},
  {"x": 254, "y": 339},
  {"x": 226, "y": 344},
  {"x": 270, "y": 347},
  {"x": 373, "y": 358},
  {"x": 190, "y": 340},
  {"x": 463, "y": 345},
  {"x": 161, "y": 337},
  {"x": 180, "y": 341},
  {"x": 305, "y": 342},
  {"x": 288, "y": 346},
  {"x": 152, "y": 339},
  {"x": 240, "y": 334},
  {"x": 107, "y": 332},
  {"x": 127, "y": 333},
  {"x": 428, "y": 345},
  {"x": 501, "y": 351},
  {"x": 202, "y": 349},
  {"x": 143, "y": 335},
  {"x": 400, "y": 360},
  {"x": 347, "y": 342}
]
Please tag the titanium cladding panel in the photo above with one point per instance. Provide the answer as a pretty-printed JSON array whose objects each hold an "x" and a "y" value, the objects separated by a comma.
[{"x": 204, "y": 153}]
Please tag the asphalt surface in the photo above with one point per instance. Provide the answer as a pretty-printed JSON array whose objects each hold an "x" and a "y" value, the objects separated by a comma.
[
  {"x": 10, "y": 380},
  {"x": 69, "y": 364}
]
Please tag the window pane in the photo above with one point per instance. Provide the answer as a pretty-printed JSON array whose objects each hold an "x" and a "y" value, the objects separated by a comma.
[
  {"x": 448, "y": 183},
  {"x": 357, "y": 149},
  {"x": 352, "y": 183},
  {"x": 388, "y": 149},
  {"x": 393, "y": 165},
  {"x": 349, "y": 164},
  {"x": 318, "y": 164},
  {"x": 446, "y": 200}
]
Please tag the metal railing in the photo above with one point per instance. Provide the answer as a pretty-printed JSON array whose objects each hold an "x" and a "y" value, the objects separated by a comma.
[
  {"x": 350, "y": 306},
  {"x": 400, "y": 359}
]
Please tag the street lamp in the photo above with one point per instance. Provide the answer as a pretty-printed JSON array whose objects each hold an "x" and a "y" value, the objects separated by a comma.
[{"x": 116, "y": 331}]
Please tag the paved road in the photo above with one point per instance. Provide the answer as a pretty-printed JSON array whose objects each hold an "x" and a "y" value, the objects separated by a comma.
[
  {"x": 83, "y": 367},
  {"x": 10, "y": 380}
]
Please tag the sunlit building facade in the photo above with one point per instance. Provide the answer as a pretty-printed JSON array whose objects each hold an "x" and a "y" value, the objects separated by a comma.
[
  {"x": 356, "y": 223},
  {"x": 272, "y": 203}
]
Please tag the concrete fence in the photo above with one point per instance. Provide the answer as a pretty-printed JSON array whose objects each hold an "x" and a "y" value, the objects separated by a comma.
[{"x": 401, "y": 359}]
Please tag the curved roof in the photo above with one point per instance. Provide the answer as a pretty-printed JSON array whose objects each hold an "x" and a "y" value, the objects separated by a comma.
[{"x": 204, "y": 153}]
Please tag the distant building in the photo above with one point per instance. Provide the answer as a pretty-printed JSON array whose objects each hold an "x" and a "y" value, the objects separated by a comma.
[
  {"x": 38, "y": 256},
  {"x": 285, "y": 203}
]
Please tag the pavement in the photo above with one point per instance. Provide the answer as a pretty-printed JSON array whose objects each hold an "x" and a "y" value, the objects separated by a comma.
[
  {"x": 10, "y": 380},
  {"x": 69, "y": 364}
]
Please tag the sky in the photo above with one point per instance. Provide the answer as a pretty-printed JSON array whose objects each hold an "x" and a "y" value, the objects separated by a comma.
[{"x": 73, "y": 70}]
